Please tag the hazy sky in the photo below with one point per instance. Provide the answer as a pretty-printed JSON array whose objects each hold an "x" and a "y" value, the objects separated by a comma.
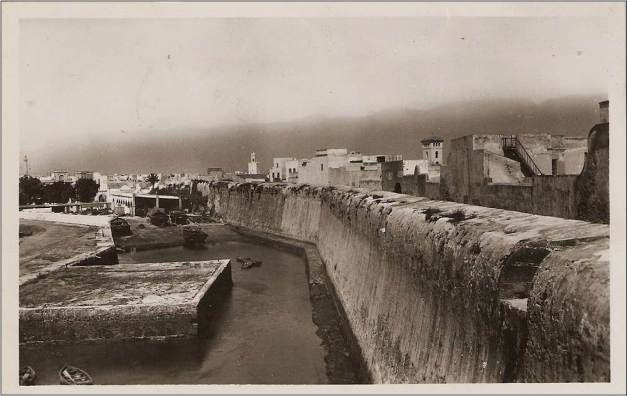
[{"x": 121, "y": 77}]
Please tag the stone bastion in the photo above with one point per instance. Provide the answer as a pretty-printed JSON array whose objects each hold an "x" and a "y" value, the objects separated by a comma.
[
  {"x": 123, "y": 301},
  {"x": 90, "y": 296},
  {"x": 439, "y": 291}
]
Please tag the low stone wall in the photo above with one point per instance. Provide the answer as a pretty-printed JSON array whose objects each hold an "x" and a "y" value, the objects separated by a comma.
[
  {"x": 97, "y": 221},
  {"x": 546, "y": 195},
  {"x": 432, "y": 190},
  {"x": 444, "y": 292},
  {"x": 554, "y": 196},
  {"x": 505, "y": 196},
  {"x": 71, "y": 324}
]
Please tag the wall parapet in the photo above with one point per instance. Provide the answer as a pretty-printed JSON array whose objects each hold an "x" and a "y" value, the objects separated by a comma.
[{"x": 422, "y": 281}]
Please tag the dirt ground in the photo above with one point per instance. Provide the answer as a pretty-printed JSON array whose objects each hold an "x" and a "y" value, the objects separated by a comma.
[{"x": 52, "y": 242}]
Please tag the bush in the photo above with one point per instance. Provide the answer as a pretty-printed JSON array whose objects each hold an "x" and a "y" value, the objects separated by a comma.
[{"x": 158, "y": 217}]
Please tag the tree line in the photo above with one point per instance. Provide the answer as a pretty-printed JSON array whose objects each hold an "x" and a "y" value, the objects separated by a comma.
[{"x": 33, "y": 191}]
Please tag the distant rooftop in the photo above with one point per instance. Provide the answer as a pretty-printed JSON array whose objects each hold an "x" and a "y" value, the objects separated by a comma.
[
  {"x": 432, "y": 139},
  {"x": 252, "y": 175}
]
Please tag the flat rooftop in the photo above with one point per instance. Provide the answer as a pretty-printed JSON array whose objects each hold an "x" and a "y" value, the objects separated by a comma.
[
  {"x": 122, "y": 301},
  {"x": 119, "y": 284}
]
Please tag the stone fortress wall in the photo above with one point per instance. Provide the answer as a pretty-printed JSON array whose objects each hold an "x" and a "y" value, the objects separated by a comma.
[{"x": 439, "y": 291}]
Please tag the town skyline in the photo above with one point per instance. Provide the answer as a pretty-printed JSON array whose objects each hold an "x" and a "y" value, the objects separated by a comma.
[
  {"x": 128, "y": 80},
  {"x": 196, "y": 150}
]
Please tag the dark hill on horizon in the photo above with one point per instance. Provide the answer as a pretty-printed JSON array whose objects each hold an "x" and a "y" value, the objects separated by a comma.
[{"x": 387, "y": 132}]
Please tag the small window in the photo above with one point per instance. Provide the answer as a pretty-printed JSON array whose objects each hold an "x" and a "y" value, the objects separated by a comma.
[
  {"x": 321, "y": 167},
  {"x": 436, "y": 154}
]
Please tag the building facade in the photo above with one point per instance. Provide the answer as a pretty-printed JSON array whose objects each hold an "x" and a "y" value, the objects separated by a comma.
[
  {"x": 292, "y": 171},
  {"x": 215, "y": 174},
  {"x": 432, "y": 150},
  {"x": 85, "y": 175},
  {"x": 316, "y": 170},
  {"x": 252, "y": 164},
  {"x": 282, "y": 168}
]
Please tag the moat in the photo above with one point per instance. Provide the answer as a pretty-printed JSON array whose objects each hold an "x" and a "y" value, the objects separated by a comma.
[{"x": 262, "y": 333}]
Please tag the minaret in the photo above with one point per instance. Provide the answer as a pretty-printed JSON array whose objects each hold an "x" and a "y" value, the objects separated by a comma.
[
  {"x": 26, "y": 173},
  {"x": 252, "y": 165}
]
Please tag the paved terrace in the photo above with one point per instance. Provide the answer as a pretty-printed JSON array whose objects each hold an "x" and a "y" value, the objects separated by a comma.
[{"x": 120, "y": 301}]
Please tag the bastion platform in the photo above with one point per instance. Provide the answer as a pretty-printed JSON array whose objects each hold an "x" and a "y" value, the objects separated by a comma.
[
  {"x": 124, "y": 301},
  {"x": 56, "y": 240}
]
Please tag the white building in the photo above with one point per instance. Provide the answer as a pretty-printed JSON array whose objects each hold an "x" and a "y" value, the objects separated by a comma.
[
  {"x": 355, "y": 157},
  {"x": 380, "y": 158},
  {"x": 316, "y": 169},
  {"x": 409, "y": 167},
  {"x": 61, "y": 176},
  {"x": 291, "y": 167},
  {"x": 252, "y": 165},
  {"x": 280, "y": 171},
  {"x": 85, "y": 175}
]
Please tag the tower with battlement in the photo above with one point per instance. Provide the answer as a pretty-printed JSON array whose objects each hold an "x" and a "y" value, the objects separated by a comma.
[{"x": 432, "y": 150}]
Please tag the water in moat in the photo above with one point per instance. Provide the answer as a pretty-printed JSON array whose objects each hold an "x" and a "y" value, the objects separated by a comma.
[{"x": 262, "y": 334}]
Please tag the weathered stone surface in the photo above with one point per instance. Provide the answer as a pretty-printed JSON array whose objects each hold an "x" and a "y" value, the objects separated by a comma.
[
  {"x": 592, "y": 186},
  {"x": 569, "y": 316},
  {"x": 121, "y": 301},
  {"x": 422, "y": 292}
]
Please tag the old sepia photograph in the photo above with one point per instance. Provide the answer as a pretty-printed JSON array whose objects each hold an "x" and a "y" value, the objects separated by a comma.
[{"x": 313, "y": 194}]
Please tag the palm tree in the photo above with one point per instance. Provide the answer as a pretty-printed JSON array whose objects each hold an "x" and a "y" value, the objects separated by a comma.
[{"x": 152, "y": 179}]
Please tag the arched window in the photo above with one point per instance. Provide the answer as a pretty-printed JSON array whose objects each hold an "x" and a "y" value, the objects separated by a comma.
[{"x": 436, "y": 153}]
